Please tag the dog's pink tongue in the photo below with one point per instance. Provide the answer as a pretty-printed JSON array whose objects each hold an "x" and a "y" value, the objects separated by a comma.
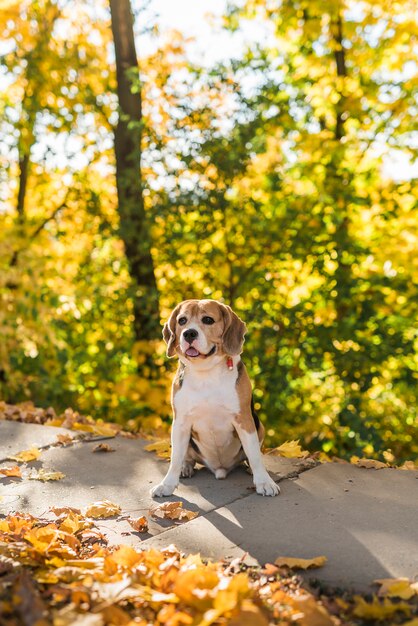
[{"x": 192, "y": 352}]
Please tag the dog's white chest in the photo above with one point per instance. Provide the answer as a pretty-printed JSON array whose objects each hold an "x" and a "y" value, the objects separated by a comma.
[
  {"x": 209, "y": 396},
  {"x": 208, "y": 406}
]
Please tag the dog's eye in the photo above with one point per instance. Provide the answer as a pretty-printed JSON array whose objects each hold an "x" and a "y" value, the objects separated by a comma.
[
  {"x": 208, "y": 320},
  {"x": 182, "y": 321}
]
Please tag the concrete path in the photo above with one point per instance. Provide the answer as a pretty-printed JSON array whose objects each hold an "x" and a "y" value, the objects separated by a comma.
[{"x": 364, "y": 521}]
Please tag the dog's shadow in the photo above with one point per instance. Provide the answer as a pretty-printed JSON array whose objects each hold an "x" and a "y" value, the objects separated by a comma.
[{"x": 311, "y": 517}]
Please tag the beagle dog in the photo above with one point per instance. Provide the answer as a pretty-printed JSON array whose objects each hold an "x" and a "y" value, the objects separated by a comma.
[{"x": 214, "y": 421}]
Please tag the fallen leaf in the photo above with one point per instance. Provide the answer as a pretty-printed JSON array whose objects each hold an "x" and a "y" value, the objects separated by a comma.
[
  {"x": 294, "y": 563},
  {"x": 314, "y": 614},
  {"x": 249, "y": 615},
  {"x": 408, "y": 465},
  {"x": 64, "y": 509},
  {"x": 46, "y": 475},
  {"x": 162, "y": 448},
  {"x": 103, "y": 447},
  {"x": 96, "y": 429},
  {"x": 140, "y": 524},
  {"x": 290, "y": 450},
  {"x": 369, "y": 463},
  {"x": 397, "y": 588},
  {"x": 26, "y": 455},
  {"x": 103, "y": 509},
  {"x": 173, "y": 510},
  {"x": 12, "y": 472},
  {"x": 65, "y": 439},
  {"x": 377, "y": 609}
]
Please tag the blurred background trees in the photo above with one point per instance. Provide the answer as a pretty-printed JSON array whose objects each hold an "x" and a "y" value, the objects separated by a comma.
[{"x": 262, "y": 183}]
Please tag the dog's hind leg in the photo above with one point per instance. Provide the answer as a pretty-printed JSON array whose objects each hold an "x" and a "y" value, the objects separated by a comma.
[{"x": 187, "y": 469}]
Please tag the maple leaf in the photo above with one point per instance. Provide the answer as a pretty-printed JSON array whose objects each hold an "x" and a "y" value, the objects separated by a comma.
[
  {"x": 65, "y": 439},
  {"x": 26, "y": 455},
  {"x": 294, "y": 563},
  {"x": 174, "y": 511},
  {"x": 162, "y": 448},
  {"x": 103, "y": 509},
  {"x": 140, "y": 524},
  {"x": 12, "y": 472},
  {"x": 290, "y": 450},
  {"x": 103, "y": 447},
  {"x": 46, "y": 475},
  {"x": 64, "y": 509}
]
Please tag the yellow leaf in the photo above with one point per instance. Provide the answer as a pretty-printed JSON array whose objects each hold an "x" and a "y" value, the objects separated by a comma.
[
  {"x": 42, "y": 538},
  {"x": 314, "y": 614},
  {"x": 96, "y": 429},
  {"x": 290, "y": 450},
  {"x": 173, "y": 510},
  {"x": 378, "y": 610},
  {"x": 397, "y": 588},
  {"x": 140, "y": 524},
  {"x": 73, "y": 523},
  {"x": 293, "y": 563},
  {"x": 126, "y": 557},
  {"x": 103, "y": 509},
  {"x": 26, "y": 455},
  {"x": 162, "y": 447},
  {"x": 46, "y": 475},
  {"x": 249, "y": 615},
  {"x": 12, "y": 472}
]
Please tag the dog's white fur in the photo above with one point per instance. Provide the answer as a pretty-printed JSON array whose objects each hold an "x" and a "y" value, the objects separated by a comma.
[{"x": 208, "y": 406}]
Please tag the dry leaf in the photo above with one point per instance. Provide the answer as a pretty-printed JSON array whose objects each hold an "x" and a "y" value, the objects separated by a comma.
[
  {"x": 140, "y": 524},
  {"x": 103, "y": 509},
  {"x": 174, "y": 511},
  {"x": 397, "y": 588},
  {"x": 65, "y": 439},
  {"x": 314, "y": 614},
  {"x": 64, "y": 509},
  {"x": 290, "y": 450},
  {"x": 368, "y": 463},
  {"x": 294, "y": 563},
  {"x": 26, "y": 455},
  {"x": 162, "y": 448},
  {"x": 408, "y": 465},
  {"x": 45, "y": 475},
  {"x": 12, "y": 472},
  {"x": 103, "y": 447}
]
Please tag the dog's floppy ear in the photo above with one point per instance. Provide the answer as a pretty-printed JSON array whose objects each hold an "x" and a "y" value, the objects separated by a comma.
[
  {"x": 169, "y": 332},
  {"x": 235, "y": 329}
]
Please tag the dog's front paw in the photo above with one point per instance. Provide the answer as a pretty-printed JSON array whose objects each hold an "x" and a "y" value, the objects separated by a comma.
[
  {"x": 267, "y": 487},
  {"x": 163, "y": 489}
]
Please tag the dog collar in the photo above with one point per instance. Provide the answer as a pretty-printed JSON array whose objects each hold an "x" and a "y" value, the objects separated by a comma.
[{"x": 229, "y": 363}]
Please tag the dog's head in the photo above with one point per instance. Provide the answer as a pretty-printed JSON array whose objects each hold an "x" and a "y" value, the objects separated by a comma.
[{"x": 198, "y": 330}]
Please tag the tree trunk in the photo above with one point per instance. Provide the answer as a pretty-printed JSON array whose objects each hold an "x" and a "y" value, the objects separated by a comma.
[{"x": 133, "y": 228}]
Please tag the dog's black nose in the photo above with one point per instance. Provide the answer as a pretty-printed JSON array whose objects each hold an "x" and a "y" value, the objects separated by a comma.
[{"x": 190, "y": 335}]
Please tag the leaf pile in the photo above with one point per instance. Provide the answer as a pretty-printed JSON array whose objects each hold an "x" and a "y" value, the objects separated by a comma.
[
  {"x": 29, "y": 414},
  {"x": 62, "y": 572}
]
